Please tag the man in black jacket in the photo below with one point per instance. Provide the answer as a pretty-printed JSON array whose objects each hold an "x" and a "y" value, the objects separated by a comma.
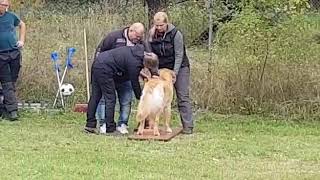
[
  {"x": 128, "y": 36},
  {"x": 127, "y": 60}
]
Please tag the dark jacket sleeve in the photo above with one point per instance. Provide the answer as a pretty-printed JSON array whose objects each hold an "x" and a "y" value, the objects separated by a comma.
[
  {"x": 134, "y": 72},
  {"x": 98, "y": 50},
  {"x": 147, "y": 46},
  {"x": 108, "y": 42},
  {"x": 105, "y": 44}
]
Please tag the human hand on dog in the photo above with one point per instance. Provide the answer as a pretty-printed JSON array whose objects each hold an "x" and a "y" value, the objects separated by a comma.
[
  {"x": 155, "y": 77},
  {"x": 174, "y": 78},
  {"x": 143, "y": 75}
]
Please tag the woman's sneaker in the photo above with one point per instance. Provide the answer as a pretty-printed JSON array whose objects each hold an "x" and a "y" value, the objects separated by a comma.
[
  {"x": 187, "y": 131},
  {"x": 123, "y": 129}
]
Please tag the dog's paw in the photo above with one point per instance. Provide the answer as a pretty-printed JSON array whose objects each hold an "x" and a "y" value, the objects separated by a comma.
[
  {"x": 139, "y": 133},
  {"x": 156, "y": 133},
  {"x": 169, "y": 130}
]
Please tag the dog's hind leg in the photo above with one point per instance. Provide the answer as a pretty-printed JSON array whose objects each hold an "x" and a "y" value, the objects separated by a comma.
[
  {"x": 156, "y": 126},
  {"x": 141, "y": 119},
  {"x": 167, "y": 118}
]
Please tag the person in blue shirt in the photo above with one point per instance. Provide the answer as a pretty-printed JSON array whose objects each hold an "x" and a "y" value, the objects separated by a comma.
[{"x": 10, "y": 56}]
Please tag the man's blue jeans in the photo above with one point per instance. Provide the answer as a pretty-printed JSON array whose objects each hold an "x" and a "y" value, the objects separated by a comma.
[
  {"x": 124, "y": 93},
  {"x": 101, "y": 111}
]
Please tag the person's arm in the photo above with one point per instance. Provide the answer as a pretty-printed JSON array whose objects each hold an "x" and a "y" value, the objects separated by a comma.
[
  {"x": 22, "y": 32},
  {"x": 105, "y": 44},
  {"x": 134, "y": 72},
  {"x": 145, "y": 73},
  {"x": 154, "y": 71},
  {"x": 147, "y": 45},
  {"x": 179, "y": 51},
  {"x": 98, "y": 49},
  {"x": 148, "y": 39}
]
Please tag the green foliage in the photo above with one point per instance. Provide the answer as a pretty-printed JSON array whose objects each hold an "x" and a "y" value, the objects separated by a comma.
[
  {"x": 192, "y": 20},
  {"x": 265, "y": 60},
  {"x": 287, "y": 5},
  {"x": 261, "y": 67}
]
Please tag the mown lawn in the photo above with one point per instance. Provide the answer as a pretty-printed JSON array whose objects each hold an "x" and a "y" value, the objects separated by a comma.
[{"x": 223, "y": 147}]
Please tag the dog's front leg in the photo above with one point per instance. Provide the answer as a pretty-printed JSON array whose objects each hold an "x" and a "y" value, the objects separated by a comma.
[
  {"x": 141, "y": 128},
  {"x": 141, "y": 121}
]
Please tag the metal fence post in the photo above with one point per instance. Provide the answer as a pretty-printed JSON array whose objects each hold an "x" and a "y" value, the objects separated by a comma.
[
  {"x": 210, "y": 8},
  {"x": 21, "y": 9}
]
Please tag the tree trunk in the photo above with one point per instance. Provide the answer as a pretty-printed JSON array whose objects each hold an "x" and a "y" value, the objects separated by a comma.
[{"x": 154, "y": 6}]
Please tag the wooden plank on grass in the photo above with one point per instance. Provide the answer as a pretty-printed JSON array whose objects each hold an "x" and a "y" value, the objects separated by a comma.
[{"x": 148, "y": 135}]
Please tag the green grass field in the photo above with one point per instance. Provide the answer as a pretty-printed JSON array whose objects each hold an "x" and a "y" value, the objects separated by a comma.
[{"x": 222, "y": 147}]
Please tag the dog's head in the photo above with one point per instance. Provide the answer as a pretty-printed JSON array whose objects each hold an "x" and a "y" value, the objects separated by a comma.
[{"x": 167, "y": 75}]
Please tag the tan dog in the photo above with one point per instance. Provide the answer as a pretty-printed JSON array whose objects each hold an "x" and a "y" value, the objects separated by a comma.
[{"x": 156, "y": 100}]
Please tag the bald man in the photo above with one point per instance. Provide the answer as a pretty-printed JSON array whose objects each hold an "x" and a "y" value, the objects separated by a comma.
[{"x": 128, "y": 36}]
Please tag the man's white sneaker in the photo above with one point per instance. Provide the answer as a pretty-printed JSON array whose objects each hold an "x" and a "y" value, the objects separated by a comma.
[
  {"x": 103, "y": 128},
  {"x": 123, "y": 129}
]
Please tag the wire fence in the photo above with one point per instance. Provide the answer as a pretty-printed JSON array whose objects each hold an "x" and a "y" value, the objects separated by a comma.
[{"x": 315, "y": 4}]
